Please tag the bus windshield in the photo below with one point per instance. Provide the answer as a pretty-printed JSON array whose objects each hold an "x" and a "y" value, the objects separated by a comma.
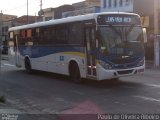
[{"x": 121, "y": 40}]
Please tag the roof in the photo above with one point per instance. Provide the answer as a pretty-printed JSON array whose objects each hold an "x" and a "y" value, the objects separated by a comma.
[{"x": 65, "y": 20}]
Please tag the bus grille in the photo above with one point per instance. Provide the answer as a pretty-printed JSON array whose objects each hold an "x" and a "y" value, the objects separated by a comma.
[{"x": 125, "y": 72}]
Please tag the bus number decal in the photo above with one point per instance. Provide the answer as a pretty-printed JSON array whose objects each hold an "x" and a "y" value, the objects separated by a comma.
[{"x": 61, "y": 58}]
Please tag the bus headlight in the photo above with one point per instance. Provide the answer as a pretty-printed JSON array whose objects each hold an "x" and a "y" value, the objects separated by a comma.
[
  {"x": 141, "y": 63},
  {"x": 105, "y": 65}
]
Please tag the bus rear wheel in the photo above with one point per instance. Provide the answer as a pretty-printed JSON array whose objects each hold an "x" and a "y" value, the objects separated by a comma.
[
  {"x": 74, "y": 72},
  {"x": 28, "y": 65}
]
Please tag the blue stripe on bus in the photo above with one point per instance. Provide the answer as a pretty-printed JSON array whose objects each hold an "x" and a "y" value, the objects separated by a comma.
[{"x": 41, "y": 51}]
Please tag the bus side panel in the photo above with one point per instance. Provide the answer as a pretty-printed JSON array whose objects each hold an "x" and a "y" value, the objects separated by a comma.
[
  {"x": 63, "y": 60},
  {"x": 55, "y": 59}
]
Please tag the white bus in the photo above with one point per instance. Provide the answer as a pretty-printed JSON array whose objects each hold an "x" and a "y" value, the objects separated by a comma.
[{"x": 97, "y": 46}]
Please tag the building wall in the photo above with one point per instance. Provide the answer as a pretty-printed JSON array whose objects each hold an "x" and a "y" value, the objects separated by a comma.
[
  {"x": 144, "y": 7},
  {"x": 117, "y": 5},
  {"x": 6, "y": 21},
  {"x": 81, "y": 11},
  {"x": 84, "y": 7},
  {"x": 91, "y": 3},
  {"x": 48, "y": 14},
  {"x": 61, "y": 9},
  {"x": 79, "y": 5}
]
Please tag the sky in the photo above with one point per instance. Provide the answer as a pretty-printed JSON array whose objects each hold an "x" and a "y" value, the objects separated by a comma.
[{"x": 19, "y": 7}]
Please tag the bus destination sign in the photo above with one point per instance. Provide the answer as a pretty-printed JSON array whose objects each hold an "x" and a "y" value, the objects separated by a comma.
[{"x": 118, "y": 19}]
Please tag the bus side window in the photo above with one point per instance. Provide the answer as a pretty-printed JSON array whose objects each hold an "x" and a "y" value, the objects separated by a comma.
[
  {"x": 53, "y": 36},
  {"x": 22, "y": 37},
  {"x": 76, "y": 33},
  {"x": 11, "y": 39},
  {"x": 61, "y": 34}
]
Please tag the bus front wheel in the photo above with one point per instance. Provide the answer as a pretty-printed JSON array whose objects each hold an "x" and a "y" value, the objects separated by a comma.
[
  {"x": 74, "y": 72},
  {"x": 28, "y": 65}
]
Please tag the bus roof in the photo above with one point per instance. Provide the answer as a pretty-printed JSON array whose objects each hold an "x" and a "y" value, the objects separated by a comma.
[{"x": 66, "y": 20}]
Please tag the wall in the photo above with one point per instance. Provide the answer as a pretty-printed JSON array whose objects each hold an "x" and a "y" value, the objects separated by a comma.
[
  {"x": 123, "y": 8},
  {"x": 81, "y": 11}
]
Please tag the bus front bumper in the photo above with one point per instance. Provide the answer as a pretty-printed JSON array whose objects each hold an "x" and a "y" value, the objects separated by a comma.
[{"x": 116, "y": 73}]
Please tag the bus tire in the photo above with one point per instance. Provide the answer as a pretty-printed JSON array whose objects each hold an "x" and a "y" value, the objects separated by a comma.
[
  {"x": 74, "y": 72},
  {"x": 28, "y": 65}
]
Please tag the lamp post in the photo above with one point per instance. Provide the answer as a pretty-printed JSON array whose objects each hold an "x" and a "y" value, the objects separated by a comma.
[{"x": 156, "y": 32}]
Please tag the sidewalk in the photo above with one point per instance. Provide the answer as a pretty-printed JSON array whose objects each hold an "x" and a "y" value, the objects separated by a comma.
[
  {"x": 149, "y": 64},
  {"x": 4, "y": 57}
]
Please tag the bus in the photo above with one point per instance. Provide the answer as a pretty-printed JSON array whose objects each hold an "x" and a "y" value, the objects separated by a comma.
[{"x": 98, "y": 46}]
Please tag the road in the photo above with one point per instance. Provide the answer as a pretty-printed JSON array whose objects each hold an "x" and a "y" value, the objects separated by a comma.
[{"x": 48, "y": 93}]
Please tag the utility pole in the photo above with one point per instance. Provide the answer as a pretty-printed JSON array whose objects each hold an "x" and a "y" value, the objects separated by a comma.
[
  {"x": 156, "y": 32},
  {"x": 1, "y": 26},
  {"x": 41, "y": 10},
  {"x": 41, "y": 4},
  {"x": 27, "y": 12}
]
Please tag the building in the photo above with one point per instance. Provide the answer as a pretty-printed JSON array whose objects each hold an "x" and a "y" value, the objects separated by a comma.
[
  {"x": 84, "y": 7},
  {"x": 6, "y": 21},
  {"x": 47, "y": 14},
  {"x": 23, "y": 20},
  {"x": 61, "y": 9},
  {"x": 55, "y": 13},
  {"x": 117, "y": 5},
  {"x": 87, "y": 10}
]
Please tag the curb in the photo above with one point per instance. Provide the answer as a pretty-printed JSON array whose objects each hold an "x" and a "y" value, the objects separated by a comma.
[{"x": 4, "y": 57}]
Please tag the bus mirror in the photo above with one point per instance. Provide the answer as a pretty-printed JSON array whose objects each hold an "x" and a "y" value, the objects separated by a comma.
[
  {"x": 11, "y": 43},
  {"x": 144, "y": 35}
]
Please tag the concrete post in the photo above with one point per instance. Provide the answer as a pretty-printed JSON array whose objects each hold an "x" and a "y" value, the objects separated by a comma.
[{"x": 156, "y": 32}]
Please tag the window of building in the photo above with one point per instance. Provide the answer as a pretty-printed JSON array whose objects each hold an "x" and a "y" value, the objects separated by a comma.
[
  {"x": 127, "y": 2},
  {"x": 48, "y": 18},
  {"x": 120, "y": 2},
  {"x": 104, "y": 3},
  {"x": 109, "y": 3},
  {"x": 115, "y": 3}
]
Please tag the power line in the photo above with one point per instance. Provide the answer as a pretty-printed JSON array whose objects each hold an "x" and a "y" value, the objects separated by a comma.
[
  {"x": 15, "y": 8},
  {"x": 20, "y": 6}
]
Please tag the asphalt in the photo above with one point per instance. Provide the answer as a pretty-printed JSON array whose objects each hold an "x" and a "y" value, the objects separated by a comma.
[{"x": 140, "y": 90}]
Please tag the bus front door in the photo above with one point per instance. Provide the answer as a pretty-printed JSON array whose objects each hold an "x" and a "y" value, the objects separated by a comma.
[{"x": 91, "y": 54}]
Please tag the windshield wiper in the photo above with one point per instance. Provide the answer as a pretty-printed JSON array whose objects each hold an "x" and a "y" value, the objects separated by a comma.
[
  {"x": 118, "y": 32},
  {"x": 130, "y": 29}
]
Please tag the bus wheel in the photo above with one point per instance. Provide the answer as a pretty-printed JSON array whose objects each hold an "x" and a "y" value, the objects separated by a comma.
[
  {"x": 28, "y": 65},
  {"x": 74, "y": 72}
]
